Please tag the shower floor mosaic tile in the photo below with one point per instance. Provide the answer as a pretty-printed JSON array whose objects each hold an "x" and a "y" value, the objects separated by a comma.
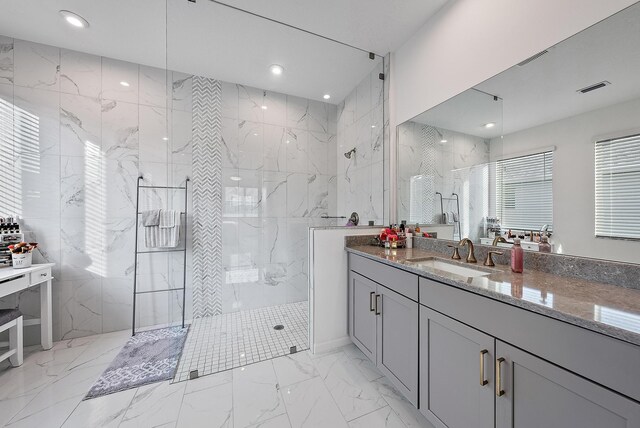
[{"x": 226, "y": 341}]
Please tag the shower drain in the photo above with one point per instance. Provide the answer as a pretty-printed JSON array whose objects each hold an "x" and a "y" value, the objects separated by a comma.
[{"x": 278, "y": 327}]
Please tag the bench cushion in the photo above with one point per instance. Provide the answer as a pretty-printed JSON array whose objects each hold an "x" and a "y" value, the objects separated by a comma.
[{"x": 8, "y": 315}]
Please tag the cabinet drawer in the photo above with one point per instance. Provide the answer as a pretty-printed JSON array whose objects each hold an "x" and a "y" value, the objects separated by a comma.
[
  {"x": 40, "y": 276},
  {"x": 10, "y": 286},
  {"x": 394, "y": 279}
]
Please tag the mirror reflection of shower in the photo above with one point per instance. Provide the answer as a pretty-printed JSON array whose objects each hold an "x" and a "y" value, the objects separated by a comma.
[{"x": 350, "y": 153}]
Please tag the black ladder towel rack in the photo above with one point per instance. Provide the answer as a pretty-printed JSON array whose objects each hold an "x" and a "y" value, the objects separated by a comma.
[
  {"x": 444, "y": 217},
  {"x": 183, "y": 224}
]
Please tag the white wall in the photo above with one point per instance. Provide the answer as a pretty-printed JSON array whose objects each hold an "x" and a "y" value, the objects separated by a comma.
[
  {"x": 469, "y": 41},
  {"x": 573, "y": 175},
  {"x": 328, "y": 281}
]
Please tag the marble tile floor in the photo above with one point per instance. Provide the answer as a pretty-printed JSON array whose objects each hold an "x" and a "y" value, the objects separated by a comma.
[
  {"x": 340, "y": 388},
  {"x": 235, "y": 339}
]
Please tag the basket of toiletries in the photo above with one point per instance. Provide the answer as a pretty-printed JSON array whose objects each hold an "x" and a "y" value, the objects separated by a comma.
[
  {"x": 22, "y": 254},
  {"x": 390, "y": 238}
]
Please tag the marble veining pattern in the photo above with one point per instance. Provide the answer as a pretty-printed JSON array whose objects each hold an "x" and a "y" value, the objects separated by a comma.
[
  {"x": 293, "y": 391},
  {"x": 77, "y": 143},
  {"x": 361, "y": 125},
  {"x": 278, "y": 179}
]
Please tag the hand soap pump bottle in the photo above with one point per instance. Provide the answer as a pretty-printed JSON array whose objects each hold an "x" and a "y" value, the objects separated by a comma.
[
  {"x": 517, "y": 256},
  {"x": 544, "y": 246}
]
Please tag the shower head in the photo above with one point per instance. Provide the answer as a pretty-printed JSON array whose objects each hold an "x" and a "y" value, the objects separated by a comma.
[{"x": 350, "y": 153}]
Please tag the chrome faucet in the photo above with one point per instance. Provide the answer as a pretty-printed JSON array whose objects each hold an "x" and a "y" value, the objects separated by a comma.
[
  {"x": 471, "y": 258},
  {"x": 498, "y": 239}
]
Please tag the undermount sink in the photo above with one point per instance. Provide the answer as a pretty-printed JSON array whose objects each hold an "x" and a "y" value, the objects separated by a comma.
[{"x": 434, "y": 263}]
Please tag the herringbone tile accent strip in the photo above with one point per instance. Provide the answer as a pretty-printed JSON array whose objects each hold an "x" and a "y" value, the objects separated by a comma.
[
  {"x": 428, "y": 168},
  {"x": 207, "y": 198}
]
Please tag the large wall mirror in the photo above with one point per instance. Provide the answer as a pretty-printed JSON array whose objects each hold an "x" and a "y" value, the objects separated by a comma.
[{"x": 549, "y": 147}]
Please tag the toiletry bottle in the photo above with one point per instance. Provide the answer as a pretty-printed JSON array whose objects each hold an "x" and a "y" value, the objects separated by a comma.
[
  {"x": 544, "y": 246},
  {"x": 409, "y": 239},
  {"x": 417, "y": 229},
  {"x": 517, "y": 256}
]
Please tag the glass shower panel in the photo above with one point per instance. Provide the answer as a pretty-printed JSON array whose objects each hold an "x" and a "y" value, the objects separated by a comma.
[{"x": 268, "y": 162}]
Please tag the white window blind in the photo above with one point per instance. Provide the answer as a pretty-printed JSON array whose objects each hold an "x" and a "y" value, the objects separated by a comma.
[
  {"x": 618, "y": 188},
  {"x": 524, "y": 195}
]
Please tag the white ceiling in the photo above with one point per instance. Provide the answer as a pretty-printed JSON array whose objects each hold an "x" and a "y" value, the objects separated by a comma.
[
  {"x": 216, "y": 41},
  {"x": 544, "y": 90},
  {"x": 378, "y": 26}
]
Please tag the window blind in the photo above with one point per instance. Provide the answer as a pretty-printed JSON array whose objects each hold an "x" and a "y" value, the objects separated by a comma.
[
  {"x": 524, "y": 195},
  {"x": 617, "y": 170}
]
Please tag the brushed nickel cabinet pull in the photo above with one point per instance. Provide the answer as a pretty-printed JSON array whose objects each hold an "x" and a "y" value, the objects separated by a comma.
[
  {"x": 371, "y": 303},
  {"x": 483, "y": 381},
  {"x": 378, "y": 304},
  {"x": 499, "y": 390}
]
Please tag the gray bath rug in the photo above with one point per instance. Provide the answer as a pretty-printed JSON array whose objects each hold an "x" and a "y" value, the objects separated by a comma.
[{"x": 148, "y": 357}]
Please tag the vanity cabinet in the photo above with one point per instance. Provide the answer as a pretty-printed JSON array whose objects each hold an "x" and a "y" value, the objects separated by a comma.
[
  {"x": 460, "y": 375},
  {"x": 456, "y": 373},
  {"x": 383, "y": 323},
  {"x": 533, "y": 393},
  {"x": 467, "y": 360}
]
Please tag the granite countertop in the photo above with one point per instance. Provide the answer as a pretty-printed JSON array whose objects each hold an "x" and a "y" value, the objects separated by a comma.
[{"x": 603, "y": 308}]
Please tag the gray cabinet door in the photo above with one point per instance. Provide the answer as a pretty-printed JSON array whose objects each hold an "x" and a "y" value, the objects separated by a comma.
[
  {"x": 362, "y": 315},
  {"x": 539, "y": 394},
  {"x": 398, "y": 341},
  {"x": 456, "y": 373}
]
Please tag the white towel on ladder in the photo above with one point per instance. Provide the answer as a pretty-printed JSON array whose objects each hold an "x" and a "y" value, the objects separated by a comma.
[{"x": 166, "y": 234}]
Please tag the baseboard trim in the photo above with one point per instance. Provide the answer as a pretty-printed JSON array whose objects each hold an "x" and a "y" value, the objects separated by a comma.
[{"x": 318, "y": 348}]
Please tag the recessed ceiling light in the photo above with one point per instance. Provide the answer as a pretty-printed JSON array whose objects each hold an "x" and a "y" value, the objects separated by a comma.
[
  {"x": 287, "y": 141},
  {"x": 235, "y": 178},
  {"x": 263, "y": 107},
  {"x": 326, "y": 96},
  {"x": 443, "y": 141},
  {"x": 125, "y": 84},
  {"x": 276, "y": 69},
  {"x": 165, "y": 138},
  {"x": 255, "y": 134},
  {"x": 373, "y": 126},
  {"x": 74, "y": 19},
  {"x": 489, "y": 125}
]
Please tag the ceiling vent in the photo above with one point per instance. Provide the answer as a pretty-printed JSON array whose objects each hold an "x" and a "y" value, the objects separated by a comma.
[
  {"x": 532, "y": 58},
  {"x": 594, "y": 87}
]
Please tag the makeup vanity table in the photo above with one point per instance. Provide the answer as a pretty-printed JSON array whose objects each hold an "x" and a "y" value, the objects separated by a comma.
[{"x": 16, "y": 280}]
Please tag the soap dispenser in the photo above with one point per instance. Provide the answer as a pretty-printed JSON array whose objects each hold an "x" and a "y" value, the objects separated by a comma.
[
  {"x": 544, "y": 246},
  {"x": 517, "y": 256}
]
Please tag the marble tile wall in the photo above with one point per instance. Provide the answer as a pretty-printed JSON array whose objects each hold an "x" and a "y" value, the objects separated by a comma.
[
  {"x": 362, "y": 181},
  {"x": 279, "y": 178},
  {"x": 458, "y": 166},
  {"x": 74, "y": 141}
]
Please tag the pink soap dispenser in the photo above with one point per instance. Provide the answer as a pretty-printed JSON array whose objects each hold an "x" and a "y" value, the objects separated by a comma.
[{"x": 517, "y": 256}]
